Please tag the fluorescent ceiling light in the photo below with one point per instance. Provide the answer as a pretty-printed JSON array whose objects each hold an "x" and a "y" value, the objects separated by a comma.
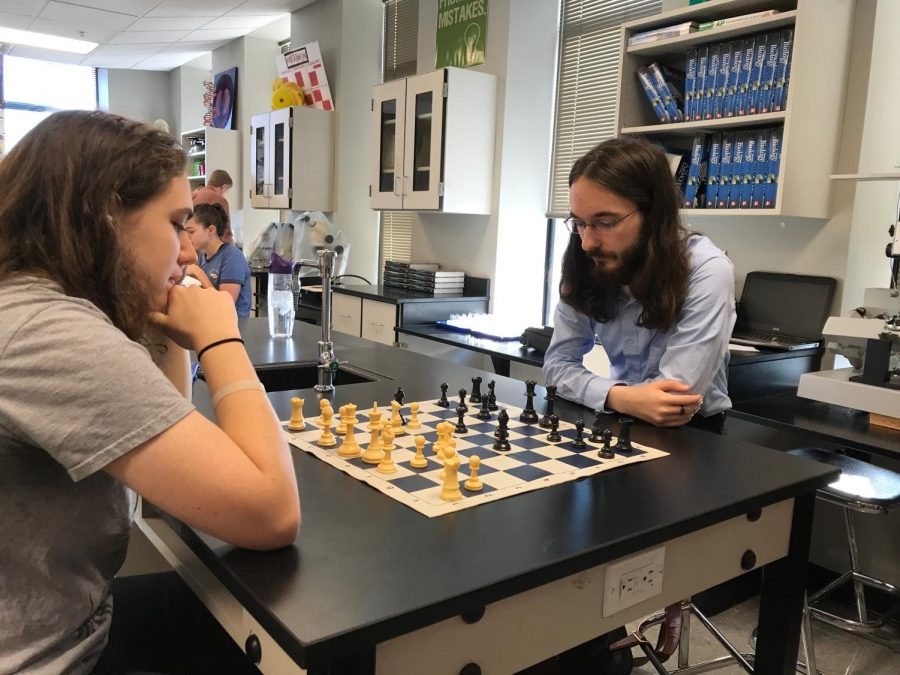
[{"x": 27, "y": 37}]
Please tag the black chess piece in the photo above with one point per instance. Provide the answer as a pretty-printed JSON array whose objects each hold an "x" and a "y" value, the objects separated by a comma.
[
  {"x": 485, "y": 412},
  {"x": 461, "y": 427},
  {"x": 502, "y": 434},
  {"x": 462, "y": 399},
  {"x": 492, "y": 397},
  {"x": 548, "y": 412},
  {"x": 443, "y": 401},
  {"x": 597, "y": 427},
  {"x": 399, "y": 395},
  {"x": 529, "y": 414},
  {"x": 624, "y": 442},
  {"x": 553, "y": 436},
  {"x": 578, "y": 443},
  {"x": 476, "y": 397},
  {"x": 607, "y": 452}
]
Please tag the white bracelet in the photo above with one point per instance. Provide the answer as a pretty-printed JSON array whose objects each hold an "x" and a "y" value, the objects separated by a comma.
[{"x": 240, "y": 385}]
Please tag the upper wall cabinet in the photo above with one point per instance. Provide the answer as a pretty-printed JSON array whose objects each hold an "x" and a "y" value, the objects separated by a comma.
[
  {"x": 433, "y": 140},
  {"x": 292, "y": 159}
]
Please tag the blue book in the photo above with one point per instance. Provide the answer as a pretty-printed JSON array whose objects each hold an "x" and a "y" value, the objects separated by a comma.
[
  {"x": 709, "y": 86},
  {"x": 646, "y": 81},
  {"x": 759, "y": 60},
  {"x": 722, "y": 80},
  {"x": 767, "y": 77},
  {"x": 774, "y": 164},
  {"x": 725, "y": 171},
  {"x": 783, "y": 72},
  {"x": 696, "y": 173},
  {"x": 700, "y": 83},
  {"x": 669, "y": 84},
  {"x": 742, "y": 97},
  {"x": 712, "y": 170},
  {"x": 737, "y": 169},
  {"x": 760, "y": 169},
  {"x": 731, "y": 82},
  {"x": 690, "y": 74},
  {"x": 748, "y": 169}
]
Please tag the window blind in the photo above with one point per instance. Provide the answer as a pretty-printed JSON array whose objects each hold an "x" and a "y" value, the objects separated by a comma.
[
  {"x": 401, "y": 44},
  {"x": 587, "y": 83}
]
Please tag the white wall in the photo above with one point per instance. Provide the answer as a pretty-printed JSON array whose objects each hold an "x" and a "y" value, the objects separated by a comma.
[
  {"x": 140, "y": 94},
  {"x": 186, "y": 87}
]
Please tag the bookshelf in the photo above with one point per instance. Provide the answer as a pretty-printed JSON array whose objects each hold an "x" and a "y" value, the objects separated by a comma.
[
  {"x": 211, "y": 149},
  {"x": 813, "y": 113}
]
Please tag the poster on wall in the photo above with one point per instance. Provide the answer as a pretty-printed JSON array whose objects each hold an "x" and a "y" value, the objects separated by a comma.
[
  {"x": 303, "y": 66},
  {"x": 461, "y": 33},
  {"x": 225, "y": 99}
]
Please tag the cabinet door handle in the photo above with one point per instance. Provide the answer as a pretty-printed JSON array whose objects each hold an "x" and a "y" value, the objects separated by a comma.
[
  {"x": 396, "y": 182},
  {"x": 344, "y": 316},
  {"x": 377, "y": 325}
]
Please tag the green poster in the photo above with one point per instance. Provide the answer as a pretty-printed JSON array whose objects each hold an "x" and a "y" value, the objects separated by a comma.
[{"x": 461, "y": 33}]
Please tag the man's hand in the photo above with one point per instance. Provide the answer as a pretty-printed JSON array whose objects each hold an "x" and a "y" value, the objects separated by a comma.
[{"x": 664, "y": 403}]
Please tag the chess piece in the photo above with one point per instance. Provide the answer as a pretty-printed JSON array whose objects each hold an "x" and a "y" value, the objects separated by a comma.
[
  {"x": 597, "y": 427},
  {"x": 449, "y": 449},
  {"x": 296, "y": 423},
  {"x": 387, "y": 439},
  {"x": 462, "y": 399},
  {"x": 351, "y": 413},
  {"x": 374, "y": 453},
  {"x": 443, "y": 432},
  {"x": 327, "y": 439},
  {"x": 553, "y": 436},
  {"x": 529, "y": 414},
  {"x": 443, "y": 402},
  {"x": 375, "y": 419},
  {"x": 461, "y": 427},
  {"x": 342, "y": 420},
  {"x": 502, "y": 422},
  {"x": 606, "y": 452},
  {"x": 578, "y": 443},
  {"x": 476, "y": 390},
  {"x": 548, "y": 412},
  {"x": 502, "y": 442},
  {"x": 372, "y": 413},
  {"x": 387, "y": 463},
  {"x": 350, "y": 447},
  {"x": 323, "y": 403},
  {"x": 414, "y": 422},
  {"x": 484, "y": 413},
  {"x": 399, "y": 395},
  {"x": 419, "y": 461},
  {"x": 397, "y": 420},
  {"x": 473, "y": 482},
  {"x": 450, "y": 491},
  {"x": 624, "y": 442},
  {"x": 492, "y": 397}
]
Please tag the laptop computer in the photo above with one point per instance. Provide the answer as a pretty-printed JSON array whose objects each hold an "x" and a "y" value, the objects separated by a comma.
[{"x": 783, "y": 311}]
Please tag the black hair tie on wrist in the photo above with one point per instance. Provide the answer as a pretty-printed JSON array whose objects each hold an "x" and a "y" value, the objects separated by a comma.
[{"x": 216, "y": 344}]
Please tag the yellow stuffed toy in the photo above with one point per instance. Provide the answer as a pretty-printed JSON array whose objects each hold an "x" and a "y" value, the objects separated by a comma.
[{"x": 285, "y": 93}]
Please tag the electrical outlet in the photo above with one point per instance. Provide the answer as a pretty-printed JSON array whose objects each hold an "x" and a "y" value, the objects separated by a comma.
[{"x": 633, "y": 580}]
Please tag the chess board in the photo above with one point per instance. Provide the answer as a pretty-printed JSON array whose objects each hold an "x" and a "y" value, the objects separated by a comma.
[{"x": 531, "y": 463}]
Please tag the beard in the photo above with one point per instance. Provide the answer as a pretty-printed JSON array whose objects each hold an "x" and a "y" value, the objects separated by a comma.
[{"x": 627, "y": 265}]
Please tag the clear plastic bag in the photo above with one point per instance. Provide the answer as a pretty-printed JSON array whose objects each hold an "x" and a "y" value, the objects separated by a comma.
[
  {"x": 260, "y": 250},
  {"x": 313, "y": 232}
]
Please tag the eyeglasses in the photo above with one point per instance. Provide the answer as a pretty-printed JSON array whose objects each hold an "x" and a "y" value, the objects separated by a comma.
[{"x": 578, "y": 226}]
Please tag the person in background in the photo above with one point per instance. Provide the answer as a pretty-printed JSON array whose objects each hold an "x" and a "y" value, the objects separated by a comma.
[
  {"x": 217, "y": 186},
  {"x": 95, "y": 406},
  {"x": 226, "y": 267},
  {"x": 659, "y": 297}
]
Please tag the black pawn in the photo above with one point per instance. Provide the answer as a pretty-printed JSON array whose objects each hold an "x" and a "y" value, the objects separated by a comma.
[
  {"x": 578, "y": 443},
  {"x": 548, "y": 412},
  {"x": 399, "y": 395},
  {"x": 485, "y": 412},
  {"x": 461, "y": 427},
  {"x": 502, "y": 444},
  {"x": 624, "y": 442},
  {"x": 606, "y": 452},
  {"x": 443, "y": 401},
  {"x": 553, "y": 436},
  {"x": 492, "y": 397},
  {"x": 597, "y": 428},
  {"x": 462, "y": 399},
  {"x": 476, "y": 390},
  {"x": 529, "y": 415}
]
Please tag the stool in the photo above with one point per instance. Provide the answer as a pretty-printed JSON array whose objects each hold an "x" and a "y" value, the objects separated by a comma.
[{"x": 864, "y": 488}]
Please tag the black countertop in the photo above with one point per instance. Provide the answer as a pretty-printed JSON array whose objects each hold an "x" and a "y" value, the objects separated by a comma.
[
  {"x": 399, "y": 296},
  {"x": 366, "y": 568}
]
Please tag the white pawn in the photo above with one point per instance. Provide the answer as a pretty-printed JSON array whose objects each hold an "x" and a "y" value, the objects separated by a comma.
[
  {"x": 473, "y": 482},
  {"x": 297, "y": 423},
  {"x": 449, "y": 449},
  {"x": 450, "y": 491},
  {"x": 327, "y": 439},
  {"x": 419, "y": 461},
  {"x": 387, "y": 464},
  {"x": 414, "y": 422},
  {"x": 342, "y": 421}
]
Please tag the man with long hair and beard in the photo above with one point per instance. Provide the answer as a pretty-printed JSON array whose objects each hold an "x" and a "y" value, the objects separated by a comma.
[{"x": 660, "y": 298}]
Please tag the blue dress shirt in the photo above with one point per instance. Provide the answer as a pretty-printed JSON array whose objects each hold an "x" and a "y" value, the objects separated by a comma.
[{"x": 693, "y": 351}]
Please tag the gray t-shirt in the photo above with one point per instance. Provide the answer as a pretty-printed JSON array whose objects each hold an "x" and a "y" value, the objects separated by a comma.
[{"x": 75, "y": 394}]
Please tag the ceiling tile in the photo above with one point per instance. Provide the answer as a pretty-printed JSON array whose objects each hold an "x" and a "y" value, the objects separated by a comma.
[
  {"x": 184, "y": 23},
  {"x": 163, "y": 61},
  {"x": 84, "y": 18},
  {"x": 177, "y": 8},
  {"x": 124, "y": 61},
  {"x": 28, "y": 52},
  {"x": 142, "y": 51},
  {"x": 251, "y": 22},
  {"x": 132, "y": 7},
  {"x": 270, "y": 6},
  {"x": 26, "y": 7},
  {"x": 17, "y": 21},
  {"x": 195, "y": 47},
  {"x": 78, "y": 31},
  {"x": 223, "y": 34},
  {"x": 146, "y": 37}
]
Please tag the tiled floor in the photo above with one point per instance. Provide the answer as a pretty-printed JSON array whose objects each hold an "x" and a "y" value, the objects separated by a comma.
[{"x": 838, "y": 652}]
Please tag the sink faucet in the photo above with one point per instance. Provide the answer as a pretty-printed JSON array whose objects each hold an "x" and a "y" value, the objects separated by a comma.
[{"x": 328, "y": 362}]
